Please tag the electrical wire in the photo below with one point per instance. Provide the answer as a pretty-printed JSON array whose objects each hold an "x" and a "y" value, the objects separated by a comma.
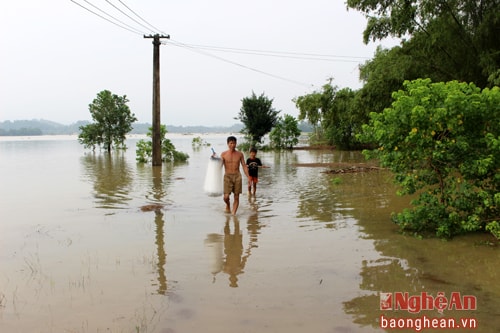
[
  {"x": 280, "y": 54},
  {"x": 200, "y": 49},
  {"x": 283, "y": 54},
  {"x": 186, "y": 46},
  {"x": 123, "y": 26},
  {"x": 121, "y": 11},
  {"x": 143, "y": 20}
]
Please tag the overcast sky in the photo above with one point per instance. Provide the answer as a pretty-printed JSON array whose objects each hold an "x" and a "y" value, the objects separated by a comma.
[{"x": 56, "y": 56}]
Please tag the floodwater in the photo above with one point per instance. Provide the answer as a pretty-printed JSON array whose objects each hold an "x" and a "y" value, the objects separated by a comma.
[{"x": 311, "y": 252}]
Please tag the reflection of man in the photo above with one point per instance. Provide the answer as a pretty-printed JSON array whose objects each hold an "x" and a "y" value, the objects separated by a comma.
[{"x": 233, "y": 249}]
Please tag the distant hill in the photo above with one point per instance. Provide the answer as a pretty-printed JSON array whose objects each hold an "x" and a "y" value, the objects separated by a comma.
[
  {"x": 46, "y": 127},
  {"x": 142, "y": 128},
  {"x": 38, "y": 127}
]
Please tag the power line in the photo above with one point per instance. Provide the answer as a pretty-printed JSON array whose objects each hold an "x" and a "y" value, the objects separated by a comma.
[
  {"x": 176, "y": 43},
  {"x": 280, "y": 54},
  {"x": 143, "y": 20},
  {"x": 149, "y": 27},
  {"x": 123, "y": 26},
  {"x": 186, "y": 46},
  {"x": 283, "y": 54},
  {"x": 200, "y": 48},
  {"x": 121, "y": 11}
]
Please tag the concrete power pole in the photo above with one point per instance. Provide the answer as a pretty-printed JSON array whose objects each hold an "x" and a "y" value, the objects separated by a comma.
[{"x": 156, "y": 137}]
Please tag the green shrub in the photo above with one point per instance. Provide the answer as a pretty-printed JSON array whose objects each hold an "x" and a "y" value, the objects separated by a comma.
[
  {"x": 144, "y": 150},
  {"x": 442, "y": 141}
]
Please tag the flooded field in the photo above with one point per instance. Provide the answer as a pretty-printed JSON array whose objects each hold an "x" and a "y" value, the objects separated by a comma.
[{"x": 98, "y": 243}]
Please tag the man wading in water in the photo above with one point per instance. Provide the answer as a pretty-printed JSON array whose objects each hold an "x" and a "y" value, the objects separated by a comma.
[{"x": 231, "y": 160}]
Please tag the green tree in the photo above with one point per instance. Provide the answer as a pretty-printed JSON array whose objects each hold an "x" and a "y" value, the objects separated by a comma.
[
  {"x": 309, "y": 107},
  {"x": 314, "y": 106},
  {"x": 112, "y": 121},
  {"x": 441, "y": 40},
  {"x": 384, "y": 74},
  {"x": 258, "y": 116},
  {"x": 339, "y": 112},
  {"x": 285, "y": 133},
  {"x": 344, "y": 119},
  {"x": 442, "y": 141},
  {"x": 446, "y": 40},
  {"x": 144, "y": 149}
]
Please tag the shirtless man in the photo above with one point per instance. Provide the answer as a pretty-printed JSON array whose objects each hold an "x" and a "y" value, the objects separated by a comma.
[{"x": 231, "y": 160}]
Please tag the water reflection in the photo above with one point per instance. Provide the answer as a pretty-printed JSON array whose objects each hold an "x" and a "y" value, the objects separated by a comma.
[
  {"x": 234, "y": 260},
  {"x": 395, "y": 275},
  {"x": 155, "y": 181},
  {"x": 111, "y": 177},
  {"x": 408, "y": 264},
  {"x": 158, "y": 192},
  {"x": 253, "y": 224},
  {"x": 318, "y": 202},
  {"x": 160, "y": 251},
  {"x": 286, "y": 170},
  {"x": 214, "y": 245},
  {"x": 227, "y": 253},
  {"x": 335, "y": 200}
]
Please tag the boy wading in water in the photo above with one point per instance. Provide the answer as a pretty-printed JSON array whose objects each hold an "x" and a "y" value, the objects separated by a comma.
[
  {"x": 231, "y": 160},
  {"x": 253, "y": 164}
]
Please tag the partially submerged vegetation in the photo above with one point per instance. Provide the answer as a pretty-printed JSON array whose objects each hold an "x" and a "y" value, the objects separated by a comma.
[
  {"x": 112, "y": 121},
  {"x": 442, "y": 141},
  {"x": 144, "y": 151}
]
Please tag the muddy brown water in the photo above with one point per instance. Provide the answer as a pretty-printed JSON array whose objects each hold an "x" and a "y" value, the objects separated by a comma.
[{"x": 311, "y": 252}]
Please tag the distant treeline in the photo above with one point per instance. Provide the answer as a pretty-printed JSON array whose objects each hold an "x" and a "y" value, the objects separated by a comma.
[
  {"x": 38, "y": 127},
  {"x": 46, "y": 127}
]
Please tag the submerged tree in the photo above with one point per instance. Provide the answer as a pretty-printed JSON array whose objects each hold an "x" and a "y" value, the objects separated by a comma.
[
  {"x": 112, "y": 121},
  {"x": 258, "y": 116},
  {"x": 144, "y": 151}
]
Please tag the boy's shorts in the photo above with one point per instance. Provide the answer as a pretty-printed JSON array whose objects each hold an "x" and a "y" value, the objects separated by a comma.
[
  {"x": 254, "y": 180},
  {"x": 232, "y": 183}
]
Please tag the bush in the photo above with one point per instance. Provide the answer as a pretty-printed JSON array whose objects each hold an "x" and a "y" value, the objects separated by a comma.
[
  {"x": 144, "y": 151},
  {"x": 442, "y": 141}
]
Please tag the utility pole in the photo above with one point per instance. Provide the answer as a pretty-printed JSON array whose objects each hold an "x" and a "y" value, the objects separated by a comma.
[{"x": 156, "y": 137}]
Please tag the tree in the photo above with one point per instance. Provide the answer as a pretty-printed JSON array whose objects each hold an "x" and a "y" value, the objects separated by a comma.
[
  {"x": 258, "y": 116},
  {"x": 344, "y": 119},
  {"x": 112, "y": 121},
  {"x": 384, "y": 74},
  {"x": 144, "y": 151},
  {"x": 452, "y": 39},
  {"x": 314, "y": 106},
  {"x": 286, "y": 133},
  {"x": 442, "y": 141},
  {"x": 309, "y": 107},
  {"x": 339, "y": 113}
]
